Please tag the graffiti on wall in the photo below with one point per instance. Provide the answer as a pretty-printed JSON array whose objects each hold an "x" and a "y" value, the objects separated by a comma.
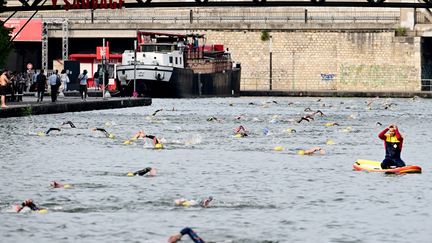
[
  {"x": 327, "y": 77},
  {"x": 375, "y": 75}
]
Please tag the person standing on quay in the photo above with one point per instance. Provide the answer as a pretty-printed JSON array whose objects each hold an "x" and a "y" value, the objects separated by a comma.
[
  {"x": 41, "y": 83},
  {"x": 123, "y": 83},
  {"x": 96, "y": 80},
  {"x": 3, "y": 87},
  {"x": 83, "y": 84},
  {"x": 64, "y": 78},
  {"x": 54, "y": 80}
]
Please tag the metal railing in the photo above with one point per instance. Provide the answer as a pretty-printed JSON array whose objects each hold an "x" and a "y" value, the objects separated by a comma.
[
  {"x": 426, "y": 85},
  {"x": 292, "y": 15}
]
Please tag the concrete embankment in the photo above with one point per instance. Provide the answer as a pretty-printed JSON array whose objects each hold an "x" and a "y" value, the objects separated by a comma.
[
  {"x": 29, "y": 106},
  {"x": 324, "y": 93}
]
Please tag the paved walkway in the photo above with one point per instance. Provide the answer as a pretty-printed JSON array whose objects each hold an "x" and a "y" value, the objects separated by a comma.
[{"x": 30, "y": 106}]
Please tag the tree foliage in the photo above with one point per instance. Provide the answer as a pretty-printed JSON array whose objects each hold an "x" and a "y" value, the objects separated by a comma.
[
  {"x": 5, "y": 43},
  {"x": 265, "y": 36}
]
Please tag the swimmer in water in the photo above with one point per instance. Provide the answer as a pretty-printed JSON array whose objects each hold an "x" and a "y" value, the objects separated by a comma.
[
  {"x": 154, "y": 113},
  {"x": 56, "y": 184},
  {"x": 187, "y": 203},
  {"x": 186, "y": 231},
  {"x": 241, "y": 131},
  {"x": 318, "y": 112},
  {"x": 330, "y": 124},
  {"x": 311, "y": 151},
  {"x": 154, "y": 139},
  {"x": 149, "y": 170},
  {"x": 387, "y": 106},
  {"x": 307, "y": 118},
  {"x": 239, "y": 117},
  {"x": 205, "y": 202},
  {"x": 27, "y": 203},
  {"x": 139, "y": 134},
  {"x": 52, "y": 129},
  {"x": 212, "y": 118},
  {"x": 108, "y": 135},
  {"x": 69, "y": 123},
  {"x": 369, "y": 103}
]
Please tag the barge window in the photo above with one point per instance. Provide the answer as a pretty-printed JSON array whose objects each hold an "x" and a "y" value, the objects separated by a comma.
[
  {"x": 176, "y": 60},
  {"x": 171, "y": 60}
]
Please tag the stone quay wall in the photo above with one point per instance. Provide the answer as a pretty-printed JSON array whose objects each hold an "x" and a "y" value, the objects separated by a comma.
[{"x": 325, "y": 60}]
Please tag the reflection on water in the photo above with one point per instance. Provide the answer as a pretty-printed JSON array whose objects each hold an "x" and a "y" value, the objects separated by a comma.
[{"x": 260, "y": 195}]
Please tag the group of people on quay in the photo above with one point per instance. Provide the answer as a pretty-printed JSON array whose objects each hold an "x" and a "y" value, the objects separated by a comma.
[{"x": 16, "y": 83}]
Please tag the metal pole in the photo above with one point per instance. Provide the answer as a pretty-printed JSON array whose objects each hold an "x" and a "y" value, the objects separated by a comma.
[
  {"x": 306, "y": 16},
  {"x": 271, "y": 63},
  {"x": 135, "y": 56},
  {"x": 103, "y": 68}
]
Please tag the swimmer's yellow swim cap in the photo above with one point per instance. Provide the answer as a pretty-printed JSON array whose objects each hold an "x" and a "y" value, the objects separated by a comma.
[
  {"x": 278, "y": 148},
  {"x": 111, "y": 136},
  {"x": 42, "y": 211},
  {"x": 133, "y": 139},
  {"x": 67, "y": 186},
  {"x": 301, "y": 152},
  {"x": 238, "y": 135},
  {"x": 158, "y": 146},
  {"x": 186, "y": 203},
  {"x": 329, "y": 142},
  {"x": 127, "y": 142},
  {"x": 130, "y": 174},
  {"x": 41, "y": 134}
]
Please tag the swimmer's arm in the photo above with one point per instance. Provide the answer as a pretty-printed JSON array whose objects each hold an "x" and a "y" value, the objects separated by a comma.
[
  {"x": 192, "y": 235},
  {"x": 32, "y": 206},
  {"x": 20, "y": 208},
  {"x": 143, "y": 171},
  {"x": 52, "y": 129},
  {"x": 155, "y": 140},
  {"x": 102, "y": 130}
]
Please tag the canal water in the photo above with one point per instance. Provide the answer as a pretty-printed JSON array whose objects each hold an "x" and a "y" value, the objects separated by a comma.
[{"x": 260, "y": 195}]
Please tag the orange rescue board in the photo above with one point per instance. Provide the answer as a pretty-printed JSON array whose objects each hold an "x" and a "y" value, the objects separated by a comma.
[{"x": 375, "y": 166}]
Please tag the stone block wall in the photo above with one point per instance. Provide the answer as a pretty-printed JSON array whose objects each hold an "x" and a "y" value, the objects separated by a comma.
[{"x": 325, "y": 60}]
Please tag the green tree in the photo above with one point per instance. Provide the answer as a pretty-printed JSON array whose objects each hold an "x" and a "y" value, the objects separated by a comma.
[{"x": 5, "y": 43}]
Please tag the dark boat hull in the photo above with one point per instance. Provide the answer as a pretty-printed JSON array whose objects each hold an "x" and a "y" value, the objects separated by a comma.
[{"x": 184, "y": 83}]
